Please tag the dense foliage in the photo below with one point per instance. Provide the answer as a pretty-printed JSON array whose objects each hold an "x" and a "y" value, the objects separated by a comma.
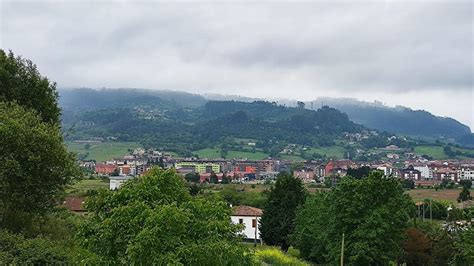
[
  {"x": 401, "y": 120},
  {"x": 278, "y": 219},
  {"x": 372, "y": 213},
  {"x": 35, "y": 164},
  {"x": 153, "y": 219},
  {"x": 163, "y": 124},
  {"x": 21, "y": 82}
]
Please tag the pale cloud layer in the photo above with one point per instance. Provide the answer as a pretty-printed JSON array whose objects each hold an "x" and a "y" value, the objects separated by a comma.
[{"x": 418, "y": 54}]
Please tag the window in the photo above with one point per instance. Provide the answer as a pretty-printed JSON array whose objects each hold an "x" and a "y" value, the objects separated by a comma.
[
  {"x": 254, "y": 223},
  {"x": 241, "y": 221}
]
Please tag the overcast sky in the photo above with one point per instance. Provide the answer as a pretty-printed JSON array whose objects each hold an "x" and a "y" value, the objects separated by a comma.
[{"x": 418, "y": 54}]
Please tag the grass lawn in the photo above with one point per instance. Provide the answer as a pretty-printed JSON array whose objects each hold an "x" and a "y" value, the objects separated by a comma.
[
  {"x": 436, "y": 152},
  {"x": 450, "y": 195},
  {"x": 212, "y": 153},
  {"x": 102, "y": 151},
  {"x": 257, "y": 155},
  {"x": 332, "y": 152},
  {"x": 85, "y": 185}
]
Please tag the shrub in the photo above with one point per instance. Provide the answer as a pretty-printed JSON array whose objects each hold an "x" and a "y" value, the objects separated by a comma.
[{"x": 274, "y": 256}]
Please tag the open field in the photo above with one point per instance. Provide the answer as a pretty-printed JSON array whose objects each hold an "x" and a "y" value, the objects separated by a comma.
[
  {"x": 436, "y": 152},
  {"x": 209, "y": 153},
  {"x": 212, "y": 153},
  {"x": 257, "y": 155},
  {"x": 450, "y": 195},
  {"x": 102, "y": 151},
  {"x": 85, "y": 185}
]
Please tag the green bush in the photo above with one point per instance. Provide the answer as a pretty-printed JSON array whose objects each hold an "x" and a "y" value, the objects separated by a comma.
[
  {"x": 294, "y": 252},
  {"x": 274, "y": 256}
]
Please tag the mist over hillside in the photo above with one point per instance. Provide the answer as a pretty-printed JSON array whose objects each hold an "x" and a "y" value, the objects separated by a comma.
[
  {"x": 374, "y": 115},
  {"x": 399, "y": 119}
]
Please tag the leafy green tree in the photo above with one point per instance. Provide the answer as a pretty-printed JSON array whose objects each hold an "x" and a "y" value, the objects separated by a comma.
[
  {"x": 408, "y": 183},
  {"x": 372, "y": 213},
  {"x": 466, "y": 183},
  {"x": 21, "y": 82},
  {"x": 154, "y": 220},
  {"x": 464, "y": 247},
  {"x": 213, "y": 178},
  {"x": 35, "y": 164},
  {"x": 359, "y": 173},
  {"x": 225, "y": 179},
  {"x": 15, "y": 249},
  {"x": 195, "y": 189},
  {"x": 192, "y": 177},
  {"x": 441, "y": 243},
  {"x": 464, "y": 195},
  {"x": 416, "y": 247},
  {"x": 278, "y": 219}
]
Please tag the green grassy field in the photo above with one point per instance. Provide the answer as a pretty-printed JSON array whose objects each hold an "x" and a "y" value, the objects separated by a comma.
[
  {"x": 436, "y": 152},
  {"x": 81, "y": 187},
  {"x": 102, "y": 151},
  {"x": 332, "y": 152},
  {"x": 257, "y": 155},
  {"x": 212, "y": 153}
]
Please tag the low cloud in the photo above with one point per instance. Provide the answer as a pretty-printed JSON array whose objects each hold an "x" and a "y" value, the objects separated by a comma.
[{"x": 393, "y": 49}]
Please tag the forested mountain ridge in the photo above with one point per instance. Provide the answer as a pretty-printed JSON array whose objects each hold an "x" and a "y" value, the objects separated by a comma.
[
  {"x": 399, "y": 120},
  {"x": 157, "y": 122},
  {"x": 185, "y": 122}
]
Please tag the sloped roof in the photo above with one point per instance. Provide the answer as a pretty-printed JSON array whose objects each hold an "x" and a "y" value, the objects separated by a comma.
[
  {"x": 74, "y": 204},
  {"x": 247, "y": 211}
]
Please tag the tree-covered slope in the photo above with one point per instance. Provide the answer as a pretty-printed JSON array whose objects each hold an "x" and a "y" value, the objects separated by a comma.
[
  {"x": 128, "y": 115},
  {"x": 400, "y": 120}
]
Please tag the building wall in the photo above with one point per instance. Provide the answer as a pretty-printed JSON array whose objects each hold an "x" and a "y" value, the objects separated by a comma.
[
  {"x": 424, "y": 170},
  {"x": 200, "y": 167},
  {"x": 466, "y": 174},
  {"x": 115, "y": 184},
  {"x": 249, "y": 231}
]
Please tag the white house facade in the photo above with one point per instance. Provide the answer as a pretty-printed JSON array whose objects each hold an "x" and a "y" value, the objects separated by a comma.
[
  {"x": 250, "y": 218},
  {"x": 117, "y": 181}
]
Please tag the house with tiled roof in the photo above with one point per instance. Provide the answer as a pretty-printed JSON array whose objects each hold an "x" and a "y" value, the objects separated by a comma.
[
  {"x": 74, "y": 204},
  {"x": 250, "y": 218}
]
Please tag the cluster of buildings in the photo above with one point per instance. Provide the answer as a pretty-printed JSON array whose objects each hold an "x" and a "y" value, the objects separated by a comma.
[{"x": 422, "y": 172}]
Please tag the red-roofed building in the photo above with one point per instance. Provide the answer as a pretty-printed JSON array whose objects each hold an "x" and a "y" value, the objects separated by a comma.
[
  {"x": 74, "y": 204},
  {"x": 105, "y": 169}
]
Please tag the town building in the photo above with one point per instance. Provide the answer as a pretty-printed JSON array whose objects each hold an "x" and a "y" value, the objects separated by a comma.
[
  {"x": 116, "y": 181},
  {"x": 105, "y": 169},
  {"x": 306, "y": 175},
  {"x": 424, "y": 171},
  {"x": 410, "y": 173},
  {"x": 250, "y": 218},
  {"x": 466, "y": 173},
  {"x": 199, "y": 167}
]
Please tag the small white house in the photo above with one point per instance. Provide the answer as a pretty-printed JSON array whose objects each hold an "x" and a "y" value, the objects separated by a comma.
[
  {"x": 250, "y": 217},
  {"x": 117, "y": 181}
]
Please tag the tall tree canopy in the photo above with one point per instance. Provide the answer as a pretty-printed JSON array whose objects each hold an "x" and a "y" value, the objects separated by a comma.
[
  {"x": 373, "y": 214},
  {"x": 21, "y": 82},
  {"x": 35, "y": 165},
  {"x": 278, "y": 219},
  {"x": 154, "y": 220}
]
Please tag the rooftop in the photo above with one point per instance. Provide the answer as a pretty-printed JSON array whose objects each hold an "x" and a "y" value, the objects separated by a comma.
[{"x": 247, "y": 211}]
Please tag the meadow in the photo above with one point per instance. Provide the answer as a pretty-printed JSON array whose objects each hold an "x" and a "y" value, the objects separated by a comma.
[
  {"x": 213, "y": 153},
  {"x": 449, "y": 195},
  {"x": 102, "y": 151}
]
